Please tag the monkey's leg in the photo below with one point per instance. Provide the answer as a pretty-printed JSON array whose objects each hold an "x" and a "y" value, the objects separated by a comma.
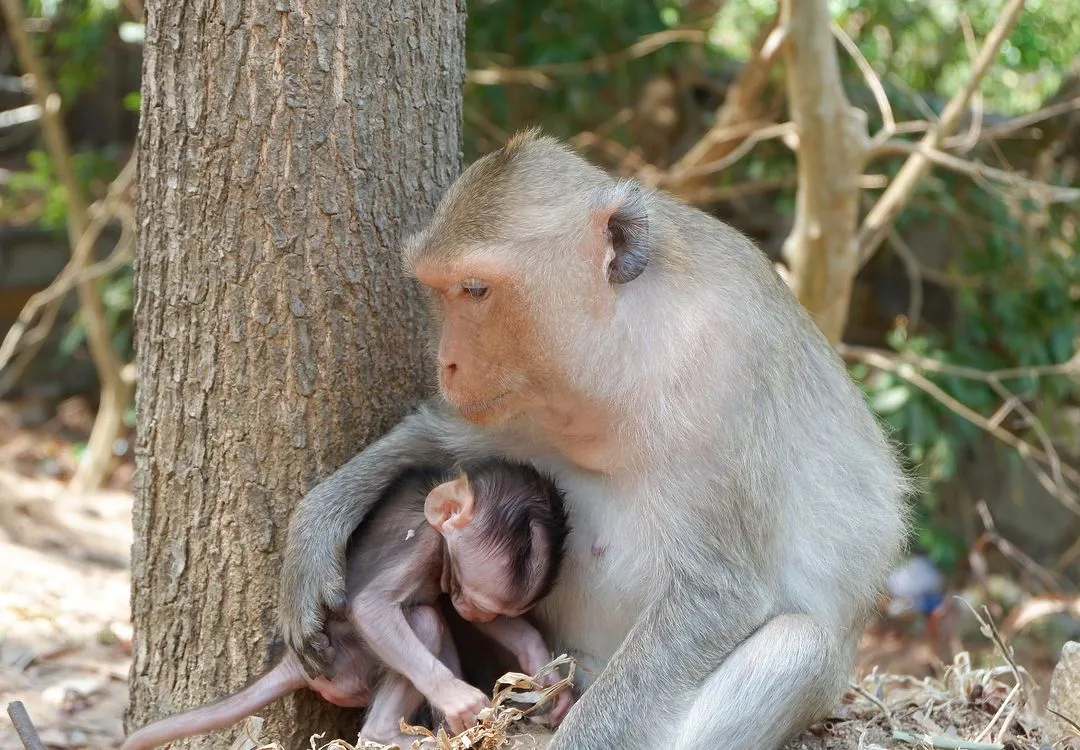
[
  {"x": 784, "y": 677},
  {"x": 396, "y": 697}
]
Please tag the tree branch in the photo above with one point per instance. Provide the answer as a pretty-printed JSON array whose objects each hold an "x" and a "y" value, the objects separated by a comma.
[
  {"x": 908, "y": 368},
  {"x": 753, "y": 134},
  {"x": 115, "y": 393},
  {"x": 876, "y": 225},
  {"x": 539, "y": 75},
  {"x": 742, "y": 105},
  {"x": 873, "y": 82},
  {"x": 1040, "y": 190}
]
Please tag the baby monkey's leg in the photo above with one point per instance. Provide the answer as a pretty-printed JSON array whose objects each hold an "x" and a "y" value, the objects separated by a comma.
[{"x": 395, "y": 697}]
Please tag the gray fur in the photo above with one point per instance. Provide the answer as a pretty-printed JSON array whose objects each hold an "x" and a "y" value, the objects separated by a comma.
[{"x": 752, "y": 515}]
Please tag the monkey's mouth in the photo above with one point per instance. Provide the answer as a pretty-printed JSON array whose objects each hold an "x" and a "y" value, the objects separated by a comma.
[{"x": 478, "y": 406}]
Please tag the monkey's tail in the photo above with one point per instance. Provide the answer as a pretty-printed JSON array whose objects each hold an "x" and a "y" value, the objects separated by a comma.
[{"x": 285, "y": 678}]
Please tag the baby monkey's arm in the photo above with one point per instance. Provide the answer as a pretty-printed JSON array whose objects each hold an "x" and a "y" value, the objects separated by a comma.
[
  {"x": 383, "y": 624},
  {"x": 518, "y": 636}
]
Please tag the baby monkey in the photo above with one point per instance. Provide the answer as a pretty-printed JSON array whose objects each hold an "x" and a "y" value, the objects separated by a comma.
[{"x": 491, "y": 537}]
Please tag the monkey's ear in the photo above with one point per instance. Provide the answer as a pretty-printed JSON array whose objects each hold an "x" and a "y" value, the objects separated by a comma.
[
  {"x": 450, "y": 505},
  {"x": 624, "y": 208}
]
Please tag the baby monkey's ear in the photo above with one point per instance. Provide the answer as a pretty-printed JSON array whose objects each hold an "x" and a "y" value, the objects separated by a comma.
[{"x": 450, "y": 505}]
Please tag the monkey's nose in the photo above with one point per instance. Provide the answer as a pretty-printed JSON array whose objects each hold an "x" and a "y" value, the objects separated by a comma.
[{"x": 449, "y": 370}]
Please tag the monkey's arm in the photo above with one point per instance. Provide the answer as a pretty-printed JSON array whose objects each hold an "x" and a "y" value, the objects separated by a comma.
[
  {"x": 313, "y": 570},
  {"x": 519, "y": 637},
  {"x": 667, "y": 656},
  {"x": 388, "y": 633}
]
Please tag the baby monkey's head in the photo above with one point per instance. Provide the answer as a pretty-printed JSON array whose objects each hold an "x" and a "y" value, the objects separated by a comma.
[{"x": 505, "y": 528}]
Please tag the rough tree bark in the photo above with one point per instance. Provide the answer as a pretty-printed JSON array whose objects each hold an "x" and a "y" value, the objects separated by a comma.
[{"x": 286, "y": 150}]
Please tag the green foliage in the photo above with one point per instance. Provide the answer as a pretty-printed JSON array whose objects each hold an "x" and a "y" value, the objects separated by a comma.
[
  {"x": 505, "y": 33},
  {"x": 918, "y": 47},
  {"x": 1019, "y": 307},
  {"x": 118, "y": 298},
  {"x": 72, "y": 49},
  {"x": 38, "y": 185},
  {"x": 75, "y": 45}
]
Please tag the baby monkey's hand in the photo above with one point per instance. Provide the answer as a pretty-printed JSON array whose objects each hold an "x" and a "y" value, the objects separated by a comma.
[{"x": 460, "y": 703}]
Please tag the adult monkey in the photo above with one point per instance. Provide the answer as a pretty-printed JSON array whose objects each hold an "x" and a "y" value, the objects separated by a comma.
[{"x": 735, "y": 505}]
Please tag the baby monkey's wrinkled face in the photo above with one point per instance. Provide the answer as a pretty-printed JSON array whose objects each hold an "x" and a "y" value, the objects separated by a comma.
[{"x": 504, "y": 527}]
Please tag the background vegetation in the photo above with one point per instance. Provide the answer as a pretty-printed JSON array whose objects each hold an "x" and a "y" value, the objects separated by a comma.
[{"x": 962, "y": 327}]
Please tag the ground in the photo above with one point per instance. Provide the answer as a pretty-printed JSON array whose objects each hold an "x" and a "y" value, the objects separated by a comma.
[
  {"x": 64, "y": 587},
  {"x": 65, "y": 617}
]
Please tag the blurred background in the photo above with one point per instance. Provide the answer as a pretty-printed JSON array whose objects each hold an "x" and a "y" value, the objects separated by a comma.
[{"x": 961, "y": 326}]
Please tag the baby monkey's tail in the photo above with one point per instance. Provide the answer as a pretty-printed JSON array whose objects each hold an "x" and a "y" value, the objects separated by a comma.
[{"x": 285, "y": 678}]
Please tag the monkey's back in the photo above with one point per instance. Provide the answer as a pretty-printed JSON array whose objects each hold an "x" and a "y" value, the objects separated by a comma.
[{"x": 396, "y": 533}]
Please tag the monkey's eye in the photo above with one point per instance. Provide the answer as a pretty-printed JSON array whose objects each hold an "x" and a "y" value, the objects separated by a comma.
[{"x": 475, "y": 288}]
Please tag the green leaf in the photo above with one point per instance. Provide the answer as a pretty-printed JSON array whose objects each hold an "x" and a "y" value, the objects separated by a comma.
[{"x": 891, "y": 399}]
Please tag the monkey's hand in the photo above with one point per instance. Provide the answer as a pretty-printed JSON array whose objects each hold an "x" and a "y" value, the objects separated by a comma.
[
  {"x": 564, "y": 701},
  {"x": 312, "y": 584},
  {"x": 459, "y": 702}
]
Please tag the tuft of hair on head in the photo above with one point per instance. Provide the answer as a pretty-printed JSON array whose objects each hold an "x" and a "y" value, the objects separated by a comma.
[
  {"x": 522, "y": 137},
  {"x": 511, "y": 499}
]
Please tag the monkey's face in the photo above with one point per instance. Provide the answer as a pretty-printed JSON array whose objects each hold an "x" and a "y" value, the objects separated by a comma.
[
  {"x": 524, "y": 258},
  {"x": 497, "y": 562},
  {"x": 493, "y": 360}
]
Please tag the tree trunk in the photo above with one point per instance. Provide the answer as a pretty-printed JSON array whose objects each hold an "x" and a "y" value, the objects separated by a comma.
[
  {"x": 286, "y": 150},
  {"x": 821, "y": 252}
]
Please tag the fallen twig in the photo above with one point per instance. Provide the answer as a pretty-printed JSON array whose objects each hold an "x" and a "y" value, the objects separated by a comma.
[
  {"x": 875, "y": 700},
  {"x": 989, "y": 629},
  {"x": 948, "y": 743},
  {"x": 24, "y": 727}
]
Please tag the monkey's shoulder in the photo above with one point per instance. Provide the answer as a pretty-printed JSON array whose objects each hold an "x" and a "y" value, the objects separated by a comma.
[
  {"x": 395, "y": 539},
  {"x": 400, "y": 506}
]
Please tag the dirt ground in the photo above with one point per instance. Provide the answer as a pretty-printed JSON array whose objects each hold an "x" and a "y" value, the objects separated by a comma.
[
  {"x": 65, "y": 631},
  {"x": 65, "y": 626}
]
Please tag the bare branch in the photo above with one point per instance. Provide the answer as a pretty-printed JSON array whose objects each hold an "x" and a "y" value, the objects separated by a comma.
[
  {"x": 915, "y": 282},
  {"x": 742, "y": 105},
  {"x": 876, "y": 224},
  {"x": 114, "y": 391},
  {"x": 1040, "y": 190},
  {"x": 1018, "y": 123},
  {"x": 872, "y": 81},
  {"x": 907, "y": 368},
  {"x": 540, "y": 75},
  {"x": 75, "y": 271},
  {"x": 738, "y": 190},
  {"x": 24, "y": 727},
  {"x": 135, "y": 8},
  {"x": 755, "y": 134},
  {"x": 971, "y": 137},
  {"x": 992, "y": 536},
  {"x": 831, "y": 153}
]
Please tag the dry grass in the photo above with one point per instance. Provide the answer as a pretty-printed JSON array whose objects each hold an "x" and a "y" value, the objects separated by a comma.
[
  {"x": 966, "y": 708},
  {"x": 987, "y": 708},
  {"x": 515, "y": 699}
]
